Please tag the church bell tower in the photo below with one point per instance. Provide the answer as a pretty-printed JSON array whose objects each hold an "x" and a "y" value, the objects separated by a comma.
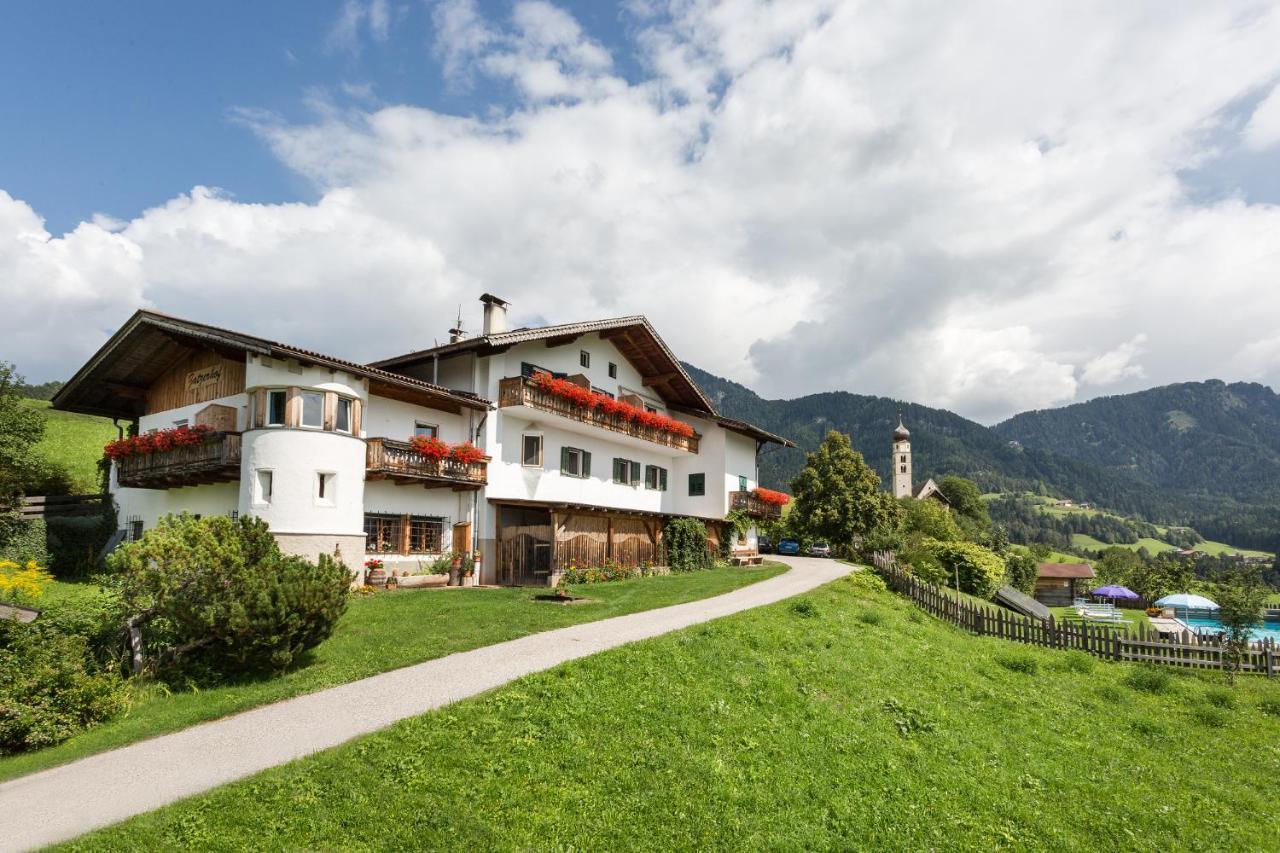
[{"x": 901, "y": 461}]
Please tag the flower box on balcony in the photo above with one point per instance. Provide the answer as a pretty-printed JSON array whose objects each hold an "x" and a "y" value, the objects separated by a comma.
[{"x": 571, "y": 401}]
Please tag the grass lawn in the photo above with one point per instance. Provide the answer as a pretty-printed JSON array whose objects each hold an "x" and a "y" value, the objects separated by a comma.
[
  {"x": 1215, "y": 548},
  {"x": 1137, "y": 618},
  {"x": 74, "y": 441},
  {"x": 381, "y": 632},
  {"x": 845, "y": 719}
]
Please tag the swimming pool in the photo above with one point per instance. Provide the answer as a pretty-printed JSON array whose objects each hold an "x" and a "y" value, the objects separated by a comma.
[{"x": 1211, "y": 625}]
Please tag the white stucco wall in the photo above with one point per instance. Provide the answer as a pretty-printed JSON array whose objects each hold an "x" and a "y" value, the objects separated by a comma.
[
  {"x": 295, "y": 457},
  {"x": 387, "y": 418},
  {"x": 153, "y": 504},
  {"x": 278, "y": 373}
]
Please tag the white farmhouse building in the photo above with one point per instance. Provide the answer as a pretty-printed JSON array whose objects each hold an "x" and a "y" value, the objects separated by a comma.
[{"x": 320, "y": 447}]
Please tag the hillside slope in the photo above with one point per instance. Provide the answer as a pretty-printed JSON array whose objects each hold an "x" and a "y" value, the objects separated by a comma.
[
  {"x": 74, "y": 442},
  {"x": 1208, "y": 437}
]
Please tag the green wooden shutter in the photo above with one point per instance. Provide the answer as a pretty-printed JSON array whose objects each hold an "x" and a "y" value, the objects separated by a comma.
[
  {"x": 586, "y": 464},
  {"x": 635, "y": 473},
  {"x": 662, "y": 479},
  {"x": 564, "y": 460}
]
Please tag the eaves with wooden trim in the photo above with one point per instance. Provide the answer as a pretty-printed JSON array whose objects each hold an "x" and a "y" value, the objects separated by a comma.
[{"x": 114, "y": 381}]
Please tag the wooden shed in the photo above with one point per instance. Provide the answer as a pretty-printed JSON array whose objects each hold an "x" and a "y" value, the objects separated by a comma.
[{"x": 1058, "y": 584}]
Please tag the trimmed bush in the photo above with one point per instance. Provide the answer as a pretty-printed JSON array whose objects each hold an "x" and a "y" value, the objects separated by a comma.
[
  {"x": 49, "y": 687},
  {"x": 215, "y": 596}
]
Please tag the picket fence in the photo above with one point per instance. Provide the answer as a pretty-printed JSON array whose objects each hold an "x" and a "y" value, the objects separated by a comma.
[{"x": 1107, "y": 642}]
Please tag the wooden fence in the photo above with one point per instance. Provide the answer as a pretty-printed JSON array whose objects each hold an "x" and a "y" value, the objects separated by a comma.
[
  {"x": 48, "y": 506},
  {"x": 1104, "y": 641}
]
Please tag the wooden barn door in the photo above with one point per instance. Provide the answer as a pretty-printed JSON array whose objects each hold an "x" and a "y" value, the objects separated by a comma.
[
  {"x": 524, "y": 537},
  {"x": 635, "y": 540},
  {"x": 582, "y": 540}
]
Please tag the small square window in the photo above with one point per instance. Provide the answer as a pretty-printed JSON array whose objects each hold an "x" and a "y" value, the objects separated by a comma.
[
  {"x": 613, "y": 370},
  {"x": 531, "y": 451},
  {"x": 655, "y": 478},
  {"x": 266, "y": 486},
  {"x": 697, "y": 485},
  {"x": 326, "y": 488},
  {"x": 276, "y": 407},
  {"x": 584, "y": 358},
  {"x": 626, "y": 472},
  {"x": 426, "y": 430}
]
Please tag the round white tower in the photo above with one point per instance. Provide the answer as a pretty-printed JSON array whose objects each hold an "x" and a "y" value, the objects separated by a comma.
[{"x": 901, "y": 461}]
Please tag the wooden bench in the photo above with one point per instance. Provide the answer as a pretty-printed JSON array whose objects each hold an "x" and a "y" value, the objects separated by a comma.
[{"x": 745, "y": 558}]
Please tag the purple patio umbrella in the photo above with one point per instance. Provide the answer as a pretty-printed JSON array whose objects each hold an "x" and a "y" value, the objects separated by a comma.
[{"x": 1114, "y": 591}]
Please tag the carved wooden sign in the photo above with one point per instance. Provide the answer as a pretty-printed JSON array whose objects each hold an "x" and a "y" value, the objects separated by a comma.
[{"x": 204, "y": 378}]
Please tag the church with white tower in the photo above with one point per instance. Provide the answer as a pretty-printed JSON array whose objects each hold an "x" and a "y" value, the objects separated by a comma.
[{"x": 903, "y": 485}]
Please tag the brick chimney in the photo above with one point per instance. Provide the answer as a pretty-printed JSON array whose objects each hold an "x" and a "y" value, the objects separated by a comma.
[{"x": 495, "y": 314}]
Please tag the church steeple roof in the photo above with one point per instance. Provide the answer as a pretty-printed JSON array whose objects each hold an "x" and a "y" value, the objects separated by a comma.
[{"x": 901, "y": 433}]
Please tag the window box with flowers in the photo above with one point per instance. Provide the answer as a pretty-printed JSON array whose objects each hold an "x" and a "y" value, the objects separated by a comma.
[
  {"x": 560, "y": 396},
  {"x": 427, "y": 459},
  {"x": 182, "y": 456}
]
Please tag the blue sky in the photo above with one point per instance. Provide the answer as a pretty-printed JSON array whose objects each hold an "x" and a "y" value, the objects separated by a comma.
[
  {"x": 113, "y": 108},
  {"x": 988, "y": 207}
]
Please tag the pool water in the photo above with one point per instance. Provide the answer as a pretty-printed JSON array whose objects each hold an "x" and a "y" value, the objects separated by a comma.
[{"x": 1210, "y": 625}]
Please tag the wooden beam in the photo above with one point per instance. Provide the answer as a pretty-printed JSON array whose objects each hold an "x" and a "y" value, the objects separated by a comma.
[
  {"x": 660, "y": 379},
  {"x": 561, "y": 340}
]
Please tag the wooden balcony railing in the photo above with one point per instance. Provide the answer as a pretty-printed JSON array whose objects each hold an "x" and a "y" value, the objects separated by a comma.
[
  {"x": 519, "y": 391},
  {"x": 388, "y": 459},
  {"x": 754, "y": 507},
  {"x": 217, "y": 460}
]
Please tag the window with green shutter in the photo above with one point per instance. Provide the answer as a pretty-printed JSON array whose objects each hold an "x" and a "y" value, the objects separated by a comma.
[
  {"x": 575, "y": 462},
  {"x": 655, "y": 478},
  {"x": 697, "y": 485}
]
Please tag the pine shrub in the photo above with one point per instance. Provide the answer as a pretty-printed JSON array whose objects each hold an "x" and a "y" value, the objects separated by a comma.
[{"x": 216, "y": 597}]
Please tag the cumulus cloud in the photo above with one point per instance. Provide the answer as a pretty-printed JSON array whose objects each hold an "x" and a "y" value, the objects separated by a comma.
[
  {"x": 971, "y": 207},
  {"x": 1118, "y": 364}
]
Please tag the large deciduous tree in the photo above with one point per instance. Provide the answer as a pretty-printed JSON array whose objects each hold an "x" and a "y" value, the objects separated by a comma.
[
  {"x": 837, "y": 496},
  {"x": 966, "y": 502}
]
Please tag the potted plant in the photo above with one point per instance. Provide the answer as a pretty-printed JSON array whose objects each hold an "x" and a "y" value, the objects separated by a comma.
[
  {"x": 374, "y": 574},
  {"x": 393, "y": 582},
  {"x": 455, "y": 571}
]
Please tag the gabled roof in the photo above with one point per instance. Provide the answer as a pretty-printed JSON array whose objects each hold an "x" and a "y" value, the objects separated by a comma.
[
  {"x": 929, "y": 489},
  {"x": 635, "y": 337},
  {"x": 1065, "y": 570},
  {"x": 114, "y": 381}
]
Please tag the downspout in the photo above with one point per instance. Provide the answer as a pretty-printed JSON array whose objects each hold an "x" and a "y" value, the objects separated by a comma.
[{"x": 475, "y": 508}]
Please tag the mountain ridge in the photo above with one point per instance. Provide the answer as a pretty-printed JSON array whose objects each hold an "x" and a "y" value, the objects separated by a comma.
[{"x": 1204, "y": 454}]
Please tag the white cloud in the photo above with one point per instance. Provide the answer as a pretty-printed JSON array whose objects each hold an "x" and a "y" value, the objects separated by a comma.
[
  {"x": 1263, "y": 129},
  {"x": 1115, "y": 365},
  {"x": 972, "y": 207},
  {"x": 355, "y": 17}
]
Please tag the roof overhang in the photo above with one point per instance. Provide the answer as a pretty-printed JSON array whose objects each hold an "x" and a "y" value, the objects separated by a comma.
[
  {"x": 114, "y": 381},
  {"x": 635, "y": 337}
]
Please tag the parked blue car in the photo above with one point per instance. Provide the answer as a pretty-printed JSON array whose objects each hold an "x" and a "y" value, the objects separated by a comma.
[{"x": 788, "y": 547}]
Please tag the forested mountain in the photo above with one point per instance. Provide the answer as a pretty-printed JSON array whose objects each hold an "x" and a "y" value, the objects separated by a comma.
[
  {"x": 1201, "y": 437},
  {"x": 1205, "y": 455}
]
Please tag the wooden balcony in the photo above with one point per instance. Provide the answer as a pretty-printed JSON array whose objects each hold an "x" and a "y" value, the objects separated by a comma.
[
  {"x": 754, "y": 507},
  {"x": 388, "y": 459},
  {"x": 217, "y": 460},
  {"x": 519, "y": 391}
]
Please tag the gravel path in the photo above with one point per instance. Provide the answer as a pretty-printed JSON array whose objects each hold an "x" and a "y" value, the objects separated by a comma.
[{"x": 63, "y": 802}]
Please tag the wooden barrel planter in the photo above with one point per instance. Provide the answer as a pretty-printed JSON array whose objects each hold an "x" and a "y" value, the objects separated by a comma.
[{"x": 376, "y": 577}]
